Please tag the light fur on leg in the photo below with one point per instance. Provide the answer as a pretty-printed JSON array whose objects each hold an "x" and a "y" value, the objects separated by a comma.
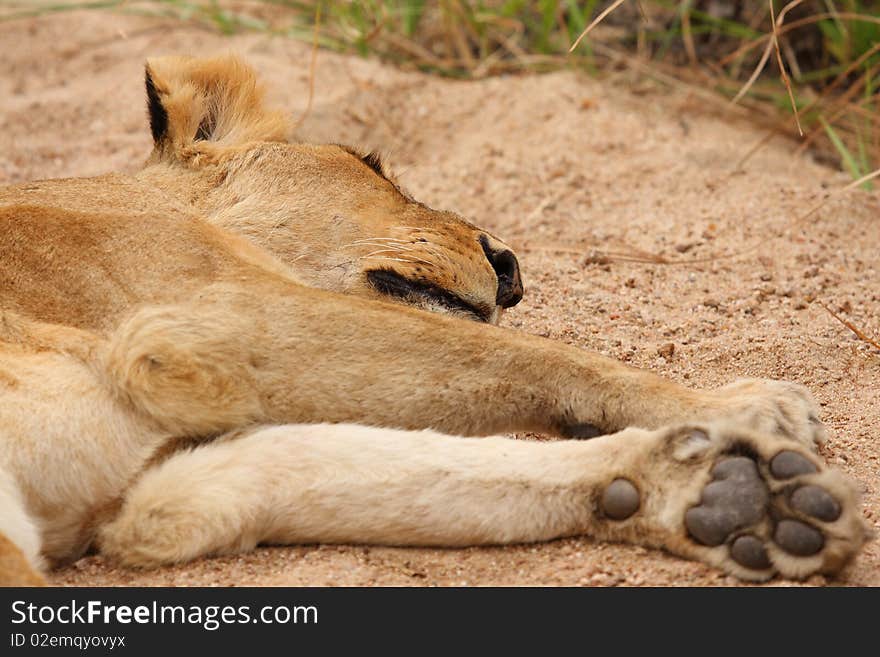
[
  {"x": 351, "y": 484},
  {"x": 20, "y": 560},
  {"x": 348, "y": 483}
]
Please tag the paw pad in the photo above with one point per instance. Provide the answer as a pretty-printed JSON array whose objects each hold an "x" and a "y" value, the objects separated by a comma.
[
  {"x": 788, "y": 464},
  {"x": 815, "y": 502},
  {"x": 749, "y": 551},
  {"x": 735, "y": 499},
  {"x": 798, "y": 538},
  {"x": 620, "y": 500},
  {"x": 747, "y": 514}
]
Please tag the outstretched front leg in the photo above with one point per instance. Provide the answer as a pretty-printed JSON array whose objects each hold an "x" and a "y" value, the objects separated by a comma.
[
  {"x": 277, "y": 353},
  {"x": 750, "y": 504}
]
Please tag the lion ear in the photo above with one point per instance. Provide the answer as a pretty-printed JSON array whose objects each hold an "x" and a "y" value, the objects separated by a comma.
[
  {"x": 157, "y": 112},
  {"x": 207, "y": 102}
]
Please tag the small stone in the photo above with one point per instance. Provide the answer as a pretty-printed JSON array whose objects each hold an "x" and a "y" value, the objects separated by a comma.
[{"x": 667, "y": 350}]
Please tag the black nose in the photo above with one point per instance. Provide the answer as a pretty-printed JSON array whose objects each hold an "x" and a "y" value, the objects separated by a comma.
[{"x": 506, "y": 266}]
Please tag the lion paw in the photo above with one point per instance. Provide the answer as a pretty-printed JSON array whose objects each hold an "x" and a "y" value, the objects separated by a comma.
[
  {"x": 776, "y": 407},
  {"x": 764, "y": 506}
]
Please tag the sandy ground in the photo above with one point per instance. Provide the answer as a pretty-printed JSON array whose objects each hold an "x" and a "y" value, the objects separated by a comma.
[{"x": 559, "y": 165}]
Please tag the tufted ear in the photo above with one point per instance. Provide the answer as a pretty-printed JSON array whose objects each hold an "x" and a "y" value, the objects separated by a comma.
[{"x": 206, "y": 103}]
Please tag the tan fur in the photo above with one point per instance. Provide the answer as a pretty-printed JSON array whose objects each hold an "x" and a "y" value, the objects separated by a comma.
[
  {"x": 216, "y": 100},
  {"x": 15, "y": 569},
  {"x": 227, "y": 288}
]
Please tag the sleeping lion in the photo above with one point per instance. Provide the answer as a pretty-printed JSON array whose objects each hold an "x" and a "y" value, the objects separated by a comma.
[{"x": 254, "y": 340}]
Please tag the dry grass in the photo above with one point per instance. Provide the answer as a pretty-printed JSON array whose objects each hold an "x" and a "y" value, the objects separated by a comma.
[
  {"x": 852, "y": 327},
  {"x": 824, "y": 90}
]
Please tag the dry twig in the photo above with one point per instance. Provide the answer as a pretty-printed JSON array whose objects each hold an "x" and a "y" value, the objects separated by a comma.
[
  {"x": 782, "y": 71},
  {"x": 312, "y": 64},
  {"x": 852, "y": 327}
]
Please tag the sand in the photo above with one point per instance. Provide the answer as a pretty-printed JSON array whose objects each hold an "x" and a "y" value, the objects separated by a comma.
[{"x": 561, "y": 166}]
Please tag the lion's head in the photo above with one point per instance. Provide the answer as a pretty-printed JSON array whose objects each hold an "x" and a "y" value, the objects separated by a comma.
[{"x": 333, "y": 214}]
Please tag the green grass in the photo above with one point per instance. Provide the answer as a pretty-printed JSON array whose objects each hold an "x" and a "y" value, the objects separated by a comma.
[{"x": 830, "y": 48}]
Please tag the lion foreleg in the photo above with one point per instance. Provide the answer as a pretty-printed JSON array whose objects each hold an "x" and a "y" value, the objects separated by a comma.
[
  {"x": 349, "y": 483},
  {"x": 279, "y": 353},
  {"x": 715, "y": 493},
  {"x": 306, "y": 356}
]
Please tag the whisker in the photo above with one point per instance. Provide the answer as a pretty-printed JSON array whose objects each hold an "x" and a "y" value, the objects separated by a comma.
[
  {"x": 418, "y": 229},
  {"x": 424, "y": 262},
  {"x": 401, "y": 248},
  {"x": 387, "y": 258},
  {"x": 380, "y": 244},
  {"x": 369, "y": 240},
  {"x": 381, "y": 239},
  {"x": 430, "y": 248},
  {"x": 377, "y": 252},
  {"x": 396, "y": 247},
  {"x": 411, "y": 260}
]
